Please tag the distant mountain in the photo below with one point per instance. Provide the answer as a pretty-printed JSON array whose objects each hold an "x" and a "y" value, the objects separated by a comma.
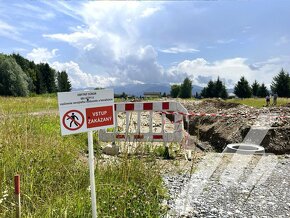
[
  {"x": 231, "y": 90},
  {"x": 139, "y": 89}
]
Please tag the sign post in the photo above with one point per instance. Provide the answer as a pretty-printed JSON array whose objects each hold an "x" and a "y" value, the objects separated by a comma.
[
  {"x": 86, "y": 111},
  {"x": 92, "y": 174}
]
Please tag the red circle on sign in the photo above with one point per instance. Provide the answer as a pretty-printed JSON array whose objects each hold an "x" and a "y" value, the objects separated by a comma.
[{"x": 77, "y": 124}]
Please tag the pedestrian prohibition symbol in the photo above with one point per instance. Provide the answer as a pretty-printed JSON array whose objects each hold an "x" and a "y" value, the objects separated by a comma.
[{"x": 73, "y": 120}]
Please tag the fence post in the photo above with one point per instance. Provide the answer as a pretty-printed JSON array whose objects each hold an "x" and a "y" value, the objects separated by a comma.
[{"x": 17, "y": 195}]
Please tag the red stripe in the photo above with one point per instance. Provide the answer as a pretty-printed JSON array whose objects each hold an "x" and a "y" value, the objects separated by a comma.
[
  {"x": 17, "y": 184},
  {"x": 120, "y": 136},
  {"x": 165, "y": 105},
  {"x": 138, "y": 136},
  {"x": 157, "y": 136},
  {"x": 148, "y": 106},
  {"x": 129, "y": 107}
]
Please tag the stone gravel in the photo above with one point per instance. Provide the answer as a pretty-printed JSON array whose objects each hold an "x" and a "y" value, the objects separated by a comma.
[{"x": 212, "y": 197}]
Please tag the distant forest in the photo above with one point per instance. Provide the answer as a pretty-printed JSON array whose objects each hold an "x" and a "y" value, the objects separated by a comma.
[
  {"x": 216, "y": 89},
  {"x": 21, "y": 77}
]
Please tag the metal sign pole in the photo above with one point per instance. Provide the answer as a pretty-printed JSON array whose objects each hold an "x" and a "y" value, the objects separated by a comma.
[{"x": 92, "y": 174}]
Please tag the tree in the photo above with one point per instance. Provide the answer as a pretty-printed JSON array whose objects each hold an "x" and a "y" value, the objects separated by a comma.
[
  {"x": 255, "y": 87},
  {"x": 242, "y": 88},
  {"x": 281, "y": 84},
  {"x": 224, "y": 94},
  {"x": 164, "y": 94},
  {"x": 48, "y": 76},
  {"x": 174, "y": 92},
  {"x": 29, "y": 68},
  {"x": 262, "y": 91},
  {"x": 215, "y": 89},
  {"x": 220, "y": 90},
  {"x": 186, "y": 88},
  {"x": 63, "y": 83},
  {"x": 123, "y": 95},
  {"x": 40, "y": 84},
  {"x": 13, "y": 81},
  {"x": 209, "y": 91},
  {"x": 197, "y": 96}
]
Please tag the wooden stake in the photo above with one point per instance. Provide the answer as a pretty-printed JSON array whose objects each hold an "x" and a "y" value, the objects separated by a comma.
[{"x": 17, "y": 195}]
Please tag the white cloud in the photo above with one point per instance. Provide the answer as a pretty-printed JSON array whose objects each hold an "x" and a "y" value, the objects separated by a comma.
[
  {"x": 11, "y": 32},
  {"x": 230, "y": 70},
  {"x": 225, "y": 41},
  {"x": 176, "y": 50},
  {"x": 109, "y": 40},
  {"x": 80, "y": 79},
  {"x": 7, "y": 30},
  {"x": 41, "y": 55},
  {"x": 149, "y": 11},
  {"x": 35, "y": 11}
]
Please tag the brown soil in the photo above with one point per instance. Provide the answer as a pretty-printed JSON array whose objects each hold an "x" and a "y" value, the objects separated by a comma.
[{"x": 220, "y": 131}]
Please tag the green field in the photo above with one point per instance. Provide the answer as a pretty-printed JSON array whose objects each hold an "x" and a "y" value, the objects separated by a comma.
[
  {"x": 18, "y": 105},
  {"x": 54, "y": 170},
  {"x": 258, "y": 102}
]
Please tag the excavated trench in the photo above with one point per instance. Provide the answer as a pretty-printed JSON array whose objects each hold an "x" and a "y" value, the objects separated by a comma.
[
  {"x": 218, "y": 132},
  {"x": 219, "y": 135}
]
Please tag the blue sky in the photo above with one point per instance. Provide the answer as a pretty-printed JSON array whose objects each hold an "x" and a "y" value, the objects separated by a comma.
[{"x": 114, "y": 43}]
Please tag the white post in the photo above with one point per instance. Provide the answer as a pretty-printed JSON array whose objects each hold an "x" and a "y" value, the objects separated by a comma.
[{"x": 92, "y": 174}]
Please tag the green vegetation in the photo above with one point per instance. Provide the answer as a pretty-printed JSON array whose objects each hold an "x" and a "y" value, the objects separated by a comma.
[
  {"x": 18, "y": 105},
  {"x": 186, "y": 88},
  {"x": 258, "y": 102},
  {"x": 13, "y": 81},
  {"x": 281, "y": 84},
  {"x": 54, "y": 170},
  {"x": 215, "y": 89},
  {"x": 175, "y": 90},
  {"x": 262, "y": 91},
  {"x": 20, "y": 77},
  {"x": 243, "y": 89},
  {"x": 183, "y": 91},
  {"x": 255, "y": 87}
]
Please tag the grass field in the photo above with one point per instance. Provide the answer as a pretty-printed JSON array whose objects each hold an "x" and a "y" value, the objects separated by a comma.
[
  {"x": 18, "y": 105},
  {"x": 258, "y": 102},
  {"x": 54, "y": 171}
]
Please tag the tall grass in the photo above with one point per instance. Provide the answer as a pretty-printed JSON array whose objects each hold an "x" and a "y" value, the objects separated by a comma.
[
  {"x": 55, "y": 175},
  {"x": 19, "y": 105}
]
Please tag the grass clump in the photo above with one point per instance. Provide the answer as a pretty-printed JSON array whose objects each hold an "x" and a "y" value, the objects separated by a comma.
[{"x": 129, "y": 189}]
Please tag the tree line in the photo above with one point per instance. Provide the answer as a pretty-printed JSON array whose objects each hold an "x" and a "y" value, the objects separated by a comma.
[
  {"x": 21, "y": 77},
  {"x": 217, "y": 89}
]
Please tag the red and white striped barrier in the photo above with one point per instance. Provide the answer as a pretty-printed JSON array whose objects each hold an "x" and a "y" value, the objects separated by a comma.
[
  {"x": 192, "y": 114},
  {"x": 174, "y": 108}
]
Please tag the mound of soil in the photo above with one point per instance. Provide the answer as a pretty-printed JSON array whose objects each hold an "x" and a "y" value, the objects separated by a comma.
[{"x": 220, "y": 131}]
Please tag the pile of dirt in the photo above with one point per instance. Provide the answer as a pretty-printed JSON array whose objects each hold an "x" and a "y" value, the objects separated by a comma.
[{"x": 220, "y": 131}]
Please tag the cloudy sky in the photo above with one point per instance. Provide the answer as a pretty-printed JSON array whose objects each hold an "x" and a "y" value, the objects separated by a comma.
[{"x": 113, "y": 43}]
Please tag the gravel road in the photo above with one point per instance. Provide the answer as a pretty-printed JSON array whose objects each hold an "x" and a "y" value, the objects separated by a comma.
[{"x": 225, "y": 185}]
